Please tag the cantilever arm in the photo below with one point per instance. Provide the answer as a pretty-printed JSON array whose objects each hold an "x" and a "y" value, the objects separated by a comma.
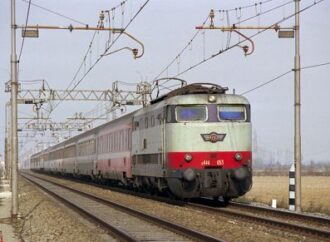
[
  {"x": 139, "y": 42},
  {"x": 245, "y": 47},
  {"x": 134, "y": 50},
  {"x": 115, "y": 51}
]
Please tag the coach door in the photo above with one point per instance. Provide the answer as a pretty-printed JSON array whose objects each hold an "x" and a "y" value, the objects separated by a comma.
[{"x": 161, "y": 117}]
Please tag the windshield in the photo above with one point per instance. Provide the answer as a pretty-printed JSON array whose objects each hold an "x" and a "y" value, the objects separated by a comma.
[
  {"x": 191, "y": 113},
  {"x": 232, "y": 112}
]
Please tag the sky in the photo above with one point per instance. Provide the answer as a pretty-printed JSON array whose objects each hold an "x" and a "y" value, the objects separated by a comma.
[{"x": 165, "y": 28}]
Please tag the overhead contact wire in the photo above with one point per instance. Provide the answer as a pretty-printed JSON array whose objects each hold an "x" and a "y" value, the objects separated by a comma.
[
  {"x": 56, "y": 13},
  {"x": 282, "y": 75},
  {"x": 100, "y": 57},
  {"x": 26, "y": 22},
  {"x": 244, "y": 7},
  {"x": 250, "y": 37}
]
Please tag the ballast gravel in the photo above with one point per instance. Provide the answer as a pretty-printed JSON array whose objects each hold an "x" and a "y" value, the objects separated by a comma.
[
  {"x": 215, "y": 225},
  {"x": 43, "y": 218}
]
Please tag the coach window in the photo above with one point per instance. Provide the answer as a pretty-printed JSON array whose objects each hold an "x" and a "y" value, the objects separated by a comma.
[
  {"x": 194, "y": 113},
  {"x": 106, "y": 143},
  {"x": 129, "y": 138},
  {"x": 136, "y": 125},
  {"x": 146, "y": 122},
  {"x": 121, "y": 140},
  {"x": 109, "y": 143},
  {"x": 152, "y": 121},
  {"x": 159, "y": 118},
  {"x": 116, "y": 141},
  {"x": 141, "y": 123},
  {"x": 232, "y": 112}
]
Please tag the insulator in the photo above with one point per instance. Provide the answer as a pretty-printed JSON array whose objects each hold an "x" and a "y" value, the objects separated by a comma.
[
  {"x": 245, "y": 49},
  {"x": 102, "y": 15},
  {"x": 211, "y": 17},
  {"x": 211, "y": 13},
  {"x": 135, "y": 52}
]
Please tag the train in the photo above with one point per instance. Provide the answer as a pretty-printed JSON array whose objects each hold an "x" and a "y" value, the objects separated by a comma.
[{"x": 192, "y": 142}]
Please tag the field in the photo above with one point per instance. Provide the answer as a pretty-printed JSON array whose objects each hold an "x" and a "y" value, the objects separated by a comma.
[{"x": 315, "y": 192}]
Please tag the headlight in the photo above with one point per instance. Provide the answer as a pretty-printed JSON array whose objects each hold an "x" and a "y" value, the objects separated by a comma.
[
  {"x": 212, "y": 99},
  {"x": 238, "y": 156},
  {"x": 188, "y": 157}
]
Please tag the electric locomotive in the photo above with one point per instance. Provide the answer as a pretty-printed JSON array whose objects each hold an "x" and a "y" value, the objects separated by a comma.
[
  {"x": 201, "y": 147},
  {"x": 194, "y": 141}
]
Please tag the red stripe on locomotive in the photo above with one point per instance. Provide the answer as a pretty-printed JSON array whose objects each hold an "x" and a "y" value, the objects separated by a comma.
[{"x": 201, "y": 160}]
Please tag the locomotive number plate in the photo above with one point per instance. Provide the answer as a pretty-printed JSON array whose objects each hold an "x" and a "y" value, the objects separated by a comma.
[{"x": 206, "y": 163}]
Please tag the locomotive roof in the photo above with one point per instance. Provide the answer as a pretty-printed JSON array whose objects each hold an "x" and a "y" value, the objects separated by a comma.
[{"x": 195, "y": 88}]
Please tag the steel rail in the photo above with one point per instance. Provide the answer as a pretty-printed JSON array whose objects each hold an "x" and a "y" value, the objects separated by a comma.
[
  {"x": 126, "y": 191},
  {"x": 179, "y": 229},
  {"x": 284, "y": 213},
  {"x": 118, "y": 232},
  {"x": 262, "y": 220}
]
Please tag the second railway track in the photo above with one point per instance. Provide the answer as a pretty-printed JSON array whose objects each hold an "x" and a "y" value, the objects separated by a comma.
[
  {"x": 126, "y": 223},
  {"x": 308, "y": 225}
]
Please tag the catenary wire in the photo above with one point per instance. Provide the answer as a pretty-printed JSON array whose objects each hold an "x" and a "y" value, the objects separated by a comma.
[
  {"x": 56, "y": 13},
  {"x": 197, "y": 32},
  {"x": 244, "y": 7},
  {"x": 221, "y": 51},
  {"x": 26, "y": 22},
  {"x": 180, "y": 53},
  {"x": 266, "y": 83},
  {"x": 283, "y": 74},
  {"x": 250, "y": 37},
  {"x": 314, "y": 66},
  {"x": 113, "y": 42},
  {"x": 101, "y": 56},
  {"x": 265, "y": 12}
]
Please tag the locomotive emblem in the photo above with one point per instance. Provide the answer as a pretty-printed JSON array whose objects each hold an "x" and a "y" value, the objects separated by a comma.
[{"x": 213, "y": 137}]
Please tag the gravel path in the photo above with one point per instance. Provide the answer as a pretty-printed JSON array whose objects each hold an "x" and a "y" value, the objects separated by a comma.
[
  {"x": 45, "y": 219},
  {"x": 215, "y": 225}
]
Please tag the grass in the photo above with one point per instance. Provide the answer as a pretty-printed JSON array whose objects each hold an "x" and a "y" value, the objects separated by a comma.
[{"x": 315, "y": 192}]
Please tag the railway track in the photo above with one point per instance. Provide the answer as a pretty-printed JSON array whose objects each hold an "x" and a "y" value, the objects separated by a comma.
[
  {"x": 315, "y": 221},
  {"x": 115, "y": 188},
  {"x": 308, "y": 225},
  {"x": 125, "y": 223}
]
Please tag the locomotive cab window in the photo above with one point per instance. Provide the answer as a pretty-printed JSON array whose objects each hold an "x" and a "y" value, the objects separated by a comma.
[
  {"x": 232, "y": 113},
  {"x": 191, "y": 113}
]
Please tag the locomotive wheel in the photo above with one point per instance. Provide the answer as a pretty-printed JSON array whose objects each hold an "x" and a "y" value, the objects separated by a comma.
[
  {"x": 216, "y": 198},
  {"x": 226, "y": 200}
]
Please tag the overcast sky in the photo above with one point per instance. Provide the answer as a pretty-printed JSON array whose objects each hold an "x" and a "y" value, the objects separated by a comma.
[{"x": 165, "y": 27}]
